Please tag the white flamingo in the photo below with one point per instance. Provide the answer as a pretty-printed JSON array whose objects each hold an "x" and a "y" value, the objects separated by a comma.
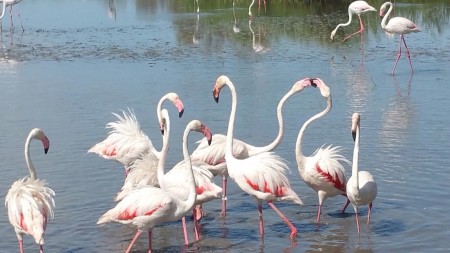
[
  {"x": 322, "y": 171},
  {"x": 262, "y": 175},
  {"x": 30, "y": 203},
  {"x": 10, "y": 3},
  {"x": 361, "y": 187},
  {"x": 146, "y": 207},
  {"x": 355, "y": 8},
  {"x": 400, "y": 26},
  {"x": 214, "y": 154},
  {"x": 126, "y": 141}
]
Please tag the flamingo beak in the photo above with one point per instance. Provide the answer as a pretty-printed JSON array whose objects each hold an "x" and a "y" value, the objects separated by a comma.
[
  {"x": 45, "y": 150},
  {"x": 180, "y": 113},
  {"x": 311, "y": 80},
  {"x": 354, "y": 135},
  {"x": 216, "y": 94}
]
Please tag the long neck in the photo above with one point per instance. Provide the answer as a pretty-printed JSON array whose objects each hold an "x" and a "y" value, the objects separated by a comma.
[
  {"x": 229, "y": 141},
  {"x": 3, "y": 10},
  {"x": 355, "y": 159},
  {"x": 386, "y": 16},
  {"x": 277, "y": 140},
  {"x": 298, "y": 145},
  {"x": 191, "y": 181},
  {"x": 346, "y": 24},
  {"x": 28, "y": 158},
  {"x": 163, "y": 153}
]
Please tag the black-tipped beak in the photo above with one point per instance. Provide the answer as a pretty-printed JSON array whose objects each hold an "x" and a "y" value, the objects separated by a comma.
[
  {"x": 354, "y": 135},
  {"x": 162, "y": 131},
  {"x": 209, "y": 141},
  {"x": 311, "y": 80},
  {"x": 45, "y": 150},
  {"x": 216, "y": 99},
  {"x": 180, "y": 114}
]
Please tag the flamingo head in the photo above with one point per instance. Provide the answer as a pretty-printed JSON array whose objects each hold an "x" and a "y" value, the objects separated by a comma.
[
  {"x": 324, "y": 89},
  {"x": 300, "y": 85},
  {"x": 220, "y": 83},
  {"x": 198, "y": 126},
  {"x": 177, "y": 102},
  {"x": 383, "y": 8},
  {"x": 355, "y": 124},
  {"x": 38, "y": 134},
  {"x": 332, "y": 35}
]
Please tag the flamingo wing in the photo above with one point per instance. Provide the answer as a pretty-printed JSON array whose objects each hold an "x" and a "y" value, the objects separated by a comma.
[
  {"x": 327, "y": 163},
  {"x": 30, "y": 205},
  {"x": 264, "y": 176},
  {"x": 126, "y": 141}
]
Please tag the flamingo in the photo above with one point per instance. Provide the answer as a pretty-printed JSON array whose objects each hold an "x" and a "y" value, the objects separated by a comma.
[
  {"x": 30, "y": 203},
  {"x": 126, "y": 141},
  {"x": 142, "y": 174},
  {"x": 10, "y": 3},
  {"x": 361, "y": 187},
  {"x": 147, "y": 207},
  {"x": 400, "y": 26},
  {"x": 322, "y": 171},
  {"x": 250, "y": 14},
  {"x": 214, "y": 154},
  {"x": 355, "y": 8},
  {"x": 262, "y": 175}
]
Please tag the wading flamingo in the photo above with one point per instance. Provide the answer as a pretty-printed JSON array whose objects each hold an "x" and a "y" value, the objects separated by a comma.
[
  {"x": 361, "y": 187},
  {"x": 355, "y": 8},
  {"x": 214, "y": 154},
  {"x": 10, "y": 3},
  {"x": 30, "y": 203},
  {"x": 322, "y": 171},
  {"x": 400, "y": 26},
  {"x": 262, "y": 175},
  {"x": 250, "y": 14},
  {"x": 126, "y": 141},
  {"x": 147, "y": 207}
]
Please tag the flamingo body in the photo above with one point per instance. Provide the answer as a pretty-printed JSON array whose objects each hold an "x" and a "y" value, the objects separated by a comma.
[{"x": 29, "y": 201}]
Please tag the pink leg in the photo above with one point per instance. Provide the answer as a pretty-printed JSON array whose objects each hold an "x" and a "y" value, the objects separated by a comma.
[
  {"x": 319, "y": 211},
  {"x": 407, "y": 53},
  {"x": 261, "y": 221},
  {"x": 345, "y": 206},
  {"x": 368, "y": 214},
  {"x": 41, "y": 249},
  {"x": 293, "y": 229},
  {"x": 398, "y": 55},
  {"x": 149, "y": 241},
  {"x": 138, "y": 233},
  {"x": 361, "y": 30},
  {"x": 183, "y": 222},
  {"x": 20, "y": 246},
  {"x": 357, "y": 220},
  {"x": 224, "y": 196},
  {"x": 196, "y": 229}
]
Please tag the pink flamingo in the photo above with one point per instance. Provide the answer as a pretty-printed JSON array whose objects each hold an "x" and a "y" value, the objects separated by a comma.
[
  {"x": 214, "y": 154},
  {"x": 322, "y": 171},
  {"x": 400, "y": 26},
  {"x": 30, "y": 203},
  {"x": 126, "y": 141},
  {"x": 147, "y": 207},
  {"x": 10, "y": 3},
  {"x": 262, "y": 175},
  {"x": 355, "y": 8},
  {"x": 361, "y": 187}
]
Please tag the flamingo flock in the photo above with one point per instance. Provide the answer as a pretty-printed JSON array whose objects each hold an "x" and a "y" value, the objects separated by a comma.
[{"x": 150, "y": 196}]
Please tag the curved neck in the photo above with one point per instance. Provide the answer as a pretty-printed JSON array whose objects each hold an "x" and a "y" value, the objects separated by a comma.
[
  {"x": 355, "y": 159},
  {"x": 164, "y": 150},
  {"x": 385, "y": 18},
  {"x": 27, "y": 156},
  {"x": 187, "y": 161},
  {"x": 3, "y": 10},
  {"x": 229, "y": 140},
  {"x": 345, "y": 24},
  {"x": 298, "y": 144},
  {"x": 159, "y": 106}
]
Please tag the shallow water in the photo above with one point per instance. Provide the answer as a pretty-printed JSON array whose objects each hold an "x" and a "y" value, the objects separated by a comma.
[{"x": 78, "y": 61}]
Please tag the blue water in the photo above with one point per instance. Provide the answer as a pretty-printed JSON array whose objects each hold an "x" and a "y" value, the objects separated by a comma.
[{"x": 76, "y": 62}]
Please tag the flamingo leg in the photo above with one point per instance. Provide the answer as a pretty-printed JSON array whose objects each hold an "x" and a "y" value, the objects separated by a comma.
[
  {"x": 41, "y": 249},
  {"x": 368, "y": 214},
  {"x": 224, "y": 196},
  {"x": 361, "y": 29},
  {"x": 261, "y": 221},
  {"x": 138, "y": 233},
  {"x": 10, "y": 16},
  {"x": 319, "y": 211},
  {"x": 149, "y": 241},
  {"x": 398, "y": 55},
  {"x": 21, "y": 246},
  {"x": 196, "y": 228},
  {"x": 183, "y": 222},
  {"x": 357, "y": 220},
  {"x": 293, "y": 229},
  {"x": 407, "y": 53},
  {"x": 345, "y": 206}
]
